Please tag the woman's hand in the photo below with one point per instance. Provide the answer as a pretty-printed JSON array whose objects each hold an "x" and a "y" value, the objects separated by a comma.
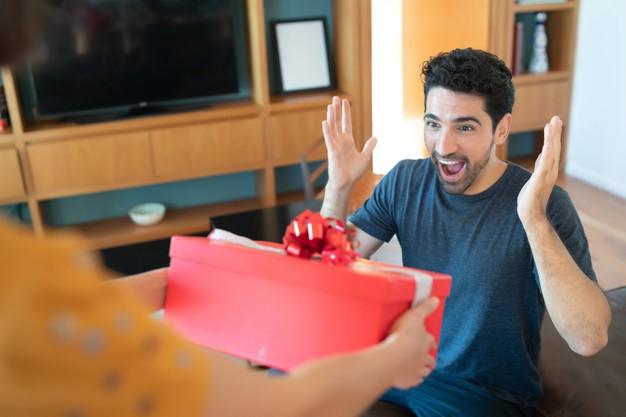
[{"x": 413, "y": 345}]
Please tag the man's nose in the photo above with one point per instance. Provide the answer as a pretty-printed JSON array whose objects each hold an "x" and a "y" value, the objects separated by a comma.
[{"x": 447, "y": 143}]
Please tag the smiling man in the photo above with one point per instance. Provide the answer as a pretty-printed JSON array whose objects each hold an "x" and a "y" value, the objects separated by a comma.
[{"x": 512, "y": 241}]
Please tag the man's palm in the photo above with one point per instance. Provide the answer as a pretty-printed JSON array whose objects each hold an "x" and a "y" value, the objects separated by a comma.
[{"x": 345, "y": 164}]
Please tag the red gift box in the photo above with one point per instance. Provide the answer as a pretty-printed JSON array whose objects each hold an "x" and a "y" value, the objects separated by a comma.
[{"x": 282, "y": 311}]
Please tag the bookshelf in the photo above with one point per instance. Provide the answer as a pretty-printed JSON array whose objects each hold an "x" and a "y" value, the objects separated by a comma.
[
  {"x": 539, "y": 96},
  {"x": 47, "y": 161}
]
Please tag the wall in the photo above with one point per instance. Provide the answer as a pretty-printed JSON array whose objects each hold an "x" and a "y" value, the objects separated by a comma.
[{"x": 597, "y": 138}]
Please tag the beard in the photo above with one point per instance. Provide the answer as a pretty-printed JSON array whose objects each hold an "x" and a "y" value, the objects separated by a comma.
[{"x": 466, "y": 175}]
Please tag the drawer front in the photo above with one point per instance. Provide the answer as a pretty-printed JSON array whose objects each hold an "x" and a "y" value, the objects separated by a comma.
[
  {"x": 206, "y": 149},
  {"x": 535, "y": 104},
  {"x": 11, "y": 184},
  {"x": 292, "y": 134},
  {"x": 91, "y": 163}
]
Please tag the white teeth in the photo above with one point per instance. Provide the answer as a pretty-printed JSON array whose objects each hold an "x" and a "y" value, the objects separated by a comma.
[{"x": 450, "y": 162}]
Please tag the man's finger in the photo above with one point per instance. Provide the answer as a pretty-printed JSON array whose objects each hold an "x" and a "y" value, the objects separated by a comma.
[
  {"x": 552, "y": 144},
  {"x": 346, "y": 117},
  {"x": 337, "y": 113},
  {"x": 330, "y": 118},
  {"x": 369, "y": 147},
  {"x": 327, "y": 136}
]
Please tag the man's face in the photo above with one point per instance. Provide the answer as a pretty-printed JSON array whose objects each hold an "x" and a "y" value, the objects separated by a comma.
[{"x": 459, "y": 135}]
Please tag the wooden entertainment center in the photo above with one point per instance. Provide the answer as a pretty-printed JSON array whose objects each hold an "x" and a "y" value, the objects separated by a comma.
[{"x": 44, "y": 162}]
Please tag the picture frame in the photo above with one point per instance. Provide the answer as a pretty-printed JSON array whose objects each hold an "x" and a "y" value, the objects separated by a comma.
[{"x": 302, "y": 55}]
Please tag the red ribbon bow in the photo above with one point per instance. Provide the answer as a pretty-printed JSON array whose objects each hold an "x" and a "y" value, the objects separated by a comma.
[{"x": 310, "y": 233}]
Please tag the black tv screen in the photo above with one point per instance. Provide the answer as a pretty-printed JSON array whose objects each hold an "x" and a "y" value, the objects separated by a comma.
[{"x": 98, "y": 56}]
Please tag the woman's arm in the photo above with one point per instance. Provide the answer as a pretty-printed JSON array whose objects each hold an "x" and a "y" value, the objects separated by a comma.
[
  {"x": 343, "y": 385},
  {"x": 150, "y": 287}
]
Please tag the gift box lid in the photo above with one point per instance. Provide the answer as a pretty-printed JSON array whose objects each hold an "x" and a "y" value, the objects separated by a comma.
[{"x": 363, "y": 278}]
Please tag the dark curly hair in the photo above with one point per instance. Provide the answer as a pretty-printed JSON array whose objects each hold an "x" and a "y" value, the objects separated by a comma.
[{"x": 475, "y": 72}]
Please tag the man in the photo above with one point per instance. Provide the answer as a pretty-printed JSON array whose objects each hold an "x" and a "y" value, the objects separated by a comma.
[{"x": 512, "y": 241}]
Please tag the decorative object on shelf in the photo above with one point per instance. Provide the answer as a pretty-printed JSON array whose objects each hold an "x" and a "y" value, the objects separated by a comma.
[
  {"x": 539, "y": 59},
  {"x": 147, "y": 214},
  {"x": 303, "y": 57}
]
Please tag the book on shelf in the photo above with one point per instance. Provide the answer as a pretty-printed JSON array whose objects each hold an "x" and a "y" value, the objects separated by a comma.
[{"x": 518, "y": 49}]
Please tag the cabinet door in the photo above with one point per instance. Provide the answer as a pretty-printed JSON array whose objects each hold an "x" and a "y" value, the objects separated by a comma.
[
  {"x": 535, "y": 104},
  {"x": 90, "y": 164},
  {"x": 206, "y": 149},
  {"x": 11, "y": 185},
  {"x": 293, "y": 133}
]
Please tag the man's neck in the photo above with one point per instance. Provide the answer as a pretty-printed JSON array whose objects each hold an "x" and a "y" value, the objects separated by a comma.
[{"x": 492, "y": 172}]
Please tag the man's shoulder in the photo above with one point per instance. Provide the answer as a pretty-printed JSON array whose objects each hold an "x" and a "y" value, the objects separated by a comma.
[
  {"x": 407, "y": 174},
  {"x": 518, "y": 173},
  {"x": 412, "y": 166}
]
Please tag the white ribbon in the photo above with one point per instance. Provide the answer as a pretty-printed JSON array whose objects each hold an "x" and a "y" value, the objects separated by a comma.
[{"x": 423, "y": 282}]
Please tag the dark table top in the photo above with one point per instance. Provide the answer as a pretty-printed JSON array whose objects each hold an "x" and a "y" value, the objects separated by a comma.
[{"x": 267, "y": 224}]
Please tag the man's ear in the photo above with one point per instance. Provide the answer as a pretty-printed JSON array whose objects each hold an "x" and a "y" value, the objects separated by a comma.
[{"x": 503, "y": 129}]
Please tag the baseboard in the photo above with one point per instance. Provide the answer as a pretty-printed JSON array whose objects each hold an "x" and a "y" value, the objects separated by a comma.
[{"x": 608, "y": 184}]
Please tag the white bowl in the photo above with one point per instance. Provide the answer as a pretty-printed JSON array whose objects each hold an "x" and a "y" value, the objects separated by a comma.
[{"x": 147, "y": 214}]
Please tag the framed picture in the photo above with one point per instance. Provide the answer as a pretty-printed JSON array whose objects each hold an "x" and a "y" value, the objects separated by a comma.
[{"x": 302, "y": 55}]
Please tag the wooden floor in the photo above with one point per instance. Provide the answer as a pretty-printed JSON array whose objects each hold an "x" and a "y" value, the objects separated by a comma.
[{"x": 604, "y": 218}]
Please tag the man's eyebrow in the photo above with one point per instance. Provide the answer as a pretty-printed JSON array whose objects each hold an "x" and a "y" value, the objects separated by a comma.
[
  {"x": 467, "y": 119},
  {"x": 457, "y": 120}
]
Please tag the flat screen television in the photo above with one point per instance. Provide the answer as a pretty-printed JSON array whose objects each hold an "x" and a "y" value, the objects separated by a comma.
[{"x": 107, "y": 57}]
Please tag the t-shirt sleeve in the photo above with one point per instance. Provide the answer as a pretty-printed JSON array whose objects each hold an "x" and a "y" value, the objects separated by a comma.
[
  {"x": 72, "y": 345},
  {"x": 376, "y": 216},
  {"x": 568, "y": 226}
]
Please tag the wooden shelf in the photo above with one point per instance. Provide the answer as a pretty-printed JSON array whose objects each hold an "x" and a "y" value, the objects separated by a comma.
[
  {"x": 303, "y": 101},
  {"x": 15, "y": 200},
  {"x": 545, "y": 7},
  {"x": 293, "y": 196},
  {"x": 122, "y": 231},
  {"x": 92, "y": 189},
  {"x": 525, "y": 79},
  {"x": 6, "y": 138},
  {"x": 49, "y": 130}
]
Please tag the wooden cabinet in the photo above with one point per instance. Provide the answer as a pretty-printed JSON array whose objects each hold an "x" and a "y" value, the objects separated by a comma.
[
  {"x": 11, "y": 184},
  {"x": 293, "y": 133},
  {"x": 536, "y": 103},
  {"x": 208, "y": 149},
  {"x": 90, "y": 164}
]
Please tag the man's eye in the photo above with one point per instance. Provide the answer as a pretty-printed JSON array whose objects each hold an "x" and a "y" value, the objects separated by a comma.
[
  {"x": 432, "y": 124},
  {"x": 466, "y": 128}
]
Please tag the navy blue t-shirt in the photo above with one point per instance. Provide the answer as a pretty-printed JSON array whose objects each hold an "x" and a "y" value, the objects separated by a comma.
[{"x": 490, "y": 331}]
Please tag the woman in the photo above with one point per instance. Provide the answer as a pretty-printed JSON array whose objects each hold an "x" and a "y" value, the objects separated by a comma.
[{"x": 71, "y": 346}]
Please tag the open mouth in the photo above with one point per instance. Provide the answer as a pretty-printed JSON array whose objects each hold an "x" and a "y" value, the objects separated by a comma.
[{"x": 451, "y": 170}]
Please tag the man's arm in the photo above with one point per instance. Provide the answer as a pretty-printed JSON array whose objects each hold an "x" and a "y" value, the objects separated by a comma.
[
  {"x": 345, "y": 166},
  {"x": 577, "y": 306}
]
